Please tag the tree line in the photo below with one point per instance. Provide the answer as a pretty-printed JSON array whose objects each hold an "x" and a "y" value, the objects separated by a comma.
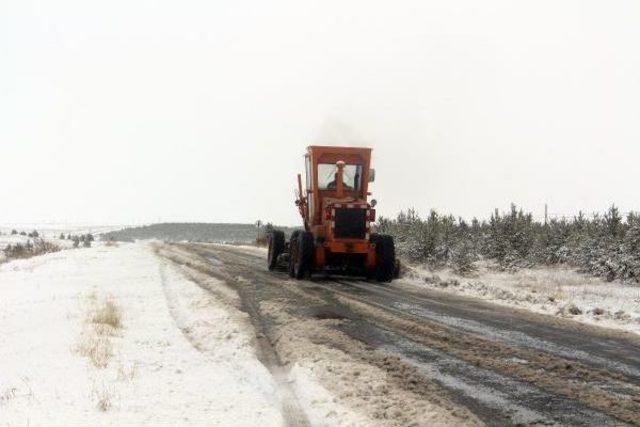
[{"x": 605, "y": 245}]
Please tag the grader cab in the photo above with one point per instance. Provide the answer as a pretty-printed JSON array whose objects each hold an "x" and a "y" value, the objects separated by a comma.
[{"x": 337, "y": 237}]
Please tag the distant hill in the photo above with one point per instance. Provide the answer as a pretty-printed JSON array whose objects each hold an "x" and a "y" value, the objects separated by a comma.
[{"x": 195, "y": 232}]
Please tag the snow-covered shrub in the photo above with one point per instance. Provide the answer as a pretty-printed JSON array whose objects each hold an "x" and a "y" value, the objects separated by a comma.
[
  {"x": 629, "y": 258},
  {"x": 30, "y": 248},
  {"x": 464, "y": 258}
]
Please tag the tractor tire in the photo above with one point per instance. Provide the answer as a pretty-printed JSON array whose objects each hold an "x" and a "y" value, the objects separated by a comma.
[
  {"x": 304, "y": 255},
  {"x": 385, "y": 269},
  {"x": 276, "y": 247},
  {"x": 293, "y": 252}
]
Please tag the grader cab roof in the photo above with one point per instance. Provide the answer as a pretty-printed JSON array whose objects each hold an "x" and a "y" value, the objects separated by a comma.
[{"x": 332, "y": 154}]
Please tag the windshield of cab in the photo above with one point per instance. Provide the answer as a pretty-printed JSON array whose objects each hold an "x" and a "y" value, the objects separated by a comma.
[{"x": 327, "y": 174}]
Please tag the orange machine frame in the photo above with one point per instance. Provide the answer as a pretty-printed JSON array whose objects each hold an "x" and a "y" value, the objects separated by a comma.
[{"x": 316, "y": 205}]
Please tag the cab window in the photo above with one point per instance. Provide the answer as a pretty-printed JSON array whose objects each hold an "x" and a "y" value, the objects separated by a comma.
[{"x": 327, "y": 174}]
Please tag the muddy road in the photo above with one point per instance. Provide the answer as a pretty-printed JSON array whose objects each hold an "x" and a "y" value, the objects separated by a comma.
[{"x": 396, "y": 352}]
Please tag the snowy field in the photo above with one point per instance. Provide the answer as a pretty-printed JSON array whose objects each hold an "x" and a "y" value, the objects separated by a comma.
[
  {"x": 48, "y": 232},
  {"x": 9, "y": 239},
  {"x": 113, "y": 336},
  {"x": 53, "y": 230},
  {"x": 557, "y": 291}
]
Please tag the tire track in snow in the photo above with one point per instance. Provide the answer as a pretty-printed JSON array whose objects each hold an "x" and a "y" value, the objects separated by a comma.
[{"x": 292, "y": 412}]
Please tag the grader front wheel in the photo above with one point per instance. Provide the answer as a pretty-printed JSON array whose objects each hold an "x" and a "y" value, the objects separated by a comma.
[
  {"x": 386, "y": 268},
  {"x": 301, "y": 260}
]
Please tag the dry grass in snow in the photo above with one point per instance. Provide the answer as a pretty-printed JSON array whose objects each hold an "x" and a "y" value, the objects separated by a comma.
[
  {"x": 104, "y": 318},
  {"x": 8, "y": 394},
  {"x": 97, "y": 349},
  {"x": 107, "y": 314},
  {"x": 127, "y": 373},
  {"x": 103, "y": 399}
]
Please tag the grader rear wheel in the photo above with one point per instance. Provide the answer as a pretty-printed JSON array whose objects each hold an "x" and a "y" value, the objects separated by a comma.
[
  {"x": 276, "y": 247},
  {"x": 293, "y": 251}
]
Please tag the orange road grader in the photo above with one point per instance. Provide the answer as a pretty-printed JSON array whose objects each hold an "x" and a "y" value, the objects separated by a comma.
[{"x": 337, "y": 236}]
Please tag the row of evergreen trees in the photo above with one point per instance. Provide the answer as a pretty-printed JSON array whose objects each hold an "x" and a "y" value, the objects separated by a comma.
[
  {"x": 33, "y": 234},
  {"x": 605, "y": 245}
]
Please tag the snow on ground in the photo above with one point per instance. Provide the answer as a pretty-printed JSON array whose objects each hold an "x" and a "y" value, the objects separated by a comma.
[
  {"x": 322, "y": 406},
  {"x": 551, "y": 290},
  {"x": 114, "y": 336},
  {"x": 256, "y": 250}
]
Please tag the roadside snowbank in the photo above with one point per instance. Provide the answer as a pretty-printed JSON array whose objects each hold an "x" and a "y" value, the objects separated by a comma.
[
  {"x": 179, "y": 357},
  {"x": 255, "y": 250},
  {"x": 558, "y": 291}
]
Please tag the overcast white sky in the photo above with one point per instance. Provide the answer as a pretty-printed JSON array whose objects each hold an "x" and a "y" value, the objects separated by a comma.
[{"x": 139, "y": 111}]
